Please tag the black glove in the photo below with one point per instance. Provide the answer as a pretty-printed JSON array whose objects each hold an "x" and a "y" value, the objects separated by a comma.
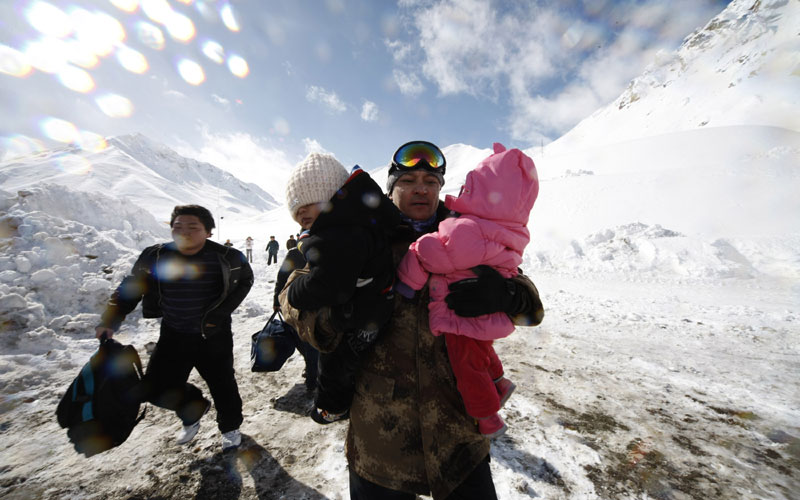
[{"x": 487, "y": 293}]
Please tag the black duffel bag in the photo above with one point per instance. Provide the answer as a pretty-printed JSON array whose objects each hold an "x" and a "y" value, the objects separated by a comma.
[
  {"x": 101, "y": 406},
  {"x": 272, "y": 345}
]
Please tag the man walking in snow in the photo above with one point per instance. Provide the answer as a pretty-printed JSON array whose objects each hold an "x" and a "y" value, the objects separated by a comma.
[
  {"x": 194, "y": 285},
  {"x": 272, "y": 250}
]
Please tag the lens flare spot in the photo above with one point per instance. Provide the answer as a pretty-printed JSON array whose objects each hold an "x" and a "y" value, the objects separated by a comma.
[
  {"x": 180, "y": 27},
  {"x": 59, "y": 130},
  {"x": 73, "y": 164},
  {"x": 132, "y": 60},
  {"x": 114, "y": 105},
  {"x": 495, "y": 197},
  {"x": 177, "y": 269},
  {"x": 238, "y": 66},
  {"x": 48, "y": 19},
  {"x": 19, "y": 145},
  {"x": 76, "y": 79},
  {"x": 158, "y": 11},
  {"x": 214, "y": 51},
  {"x": 97, "y": 31},
  {"x": 186, "y": 2},
  {"x": 13, "y": 62},
  {"x": 89, "y": 141},
  {"x": 81, "y": 55},
  {"x": 150, "y": 35},
  {"x": 48, "y": 54},
  {"x": 281, "y": 126},
  {"x": 371, "y": 200},
  {"x": 191, "y": 72},
  {"x": 128, "y": 6},
  {"x": 229, "y": 18}
]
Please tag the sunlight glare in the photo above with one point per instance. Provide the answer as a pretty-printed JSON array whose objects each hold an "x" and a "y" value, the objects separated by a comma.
[
  {"x": 128, "y": 6},
  {"x": 158, "y": 11},
  {"x": 180, "y": 27},
  {"x": 13, "y": 62},
  {"x": 238, "y": 66},
  {"x": 97, "y": 31},
  {"x": 150, "y": 35},
  {"x": 59, "y": 130},
  {"x": 76, "y": 79},
  {"x": 48, "y": 19},
  {"x": 19, "y": 145},
  {"x": 214, "y": 51},
  {"x": 47, "y": 54},
  {"x": 114, "y": 105},
  {"x": 132, "y": 60},
  {"x": 89, "y": 141},
  {"x": 229, "y": 18},
  {"x": 191, "y": 72},
  {"x": 81, "y": 55}
]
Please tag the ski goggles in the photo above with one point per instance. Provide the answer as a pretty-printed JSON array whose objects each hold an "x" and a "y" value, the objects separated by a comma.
[{"x": 418, "y": 154}]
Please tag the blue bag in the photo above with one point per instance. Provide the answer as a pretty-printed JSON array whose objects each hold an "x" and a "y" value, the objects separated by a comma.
[{"x": 272, "y": 345}]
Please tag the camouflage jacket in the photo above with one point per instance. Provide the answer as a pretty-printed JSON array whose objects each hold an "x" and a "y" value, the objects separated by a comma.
[{"x": 409, "y": 430}]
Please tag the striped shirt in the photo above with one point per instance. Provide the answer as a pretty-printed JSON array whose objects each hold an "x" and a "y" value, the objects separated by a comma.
[{"x": 189, "y": 285}]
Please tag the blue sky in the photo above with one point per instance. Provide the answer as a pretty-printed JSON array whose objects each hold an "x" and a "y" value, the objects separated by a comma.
[{"x": 252, "y": 86}]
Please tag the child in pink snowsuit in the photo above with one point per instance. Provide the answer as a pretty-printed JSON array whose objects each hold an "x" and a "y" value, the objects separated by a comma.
[{"x": 494, "y": 205}]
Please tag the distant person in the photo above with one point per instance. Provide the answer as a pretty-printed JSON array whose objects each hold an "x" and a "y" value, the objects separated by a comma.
[
  {"x": 345, "y": 218},
  {"x": 248, "y": 247},
  {"x": 272, "y": 251},
  {"x": 295, "y": 259},
  {"x": 228, "y": 243},
  {"x": 487, "y": 232},
  {"x": 194, "y": 285}
]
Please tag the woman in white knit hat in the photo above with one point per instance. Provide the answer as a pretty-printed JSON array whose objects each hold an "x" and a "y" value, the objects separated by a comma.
[{"x": 349, "y": 272}]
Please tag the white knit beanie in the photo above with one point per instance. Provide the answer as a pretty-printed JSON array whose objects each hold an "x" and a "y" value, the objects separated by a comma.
[{"x": 314, "y": 180}]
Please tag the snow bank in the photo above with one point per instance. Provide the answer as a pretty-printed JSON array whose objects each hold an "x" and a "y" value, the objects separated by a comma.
[{"x": 63, "y": 252}]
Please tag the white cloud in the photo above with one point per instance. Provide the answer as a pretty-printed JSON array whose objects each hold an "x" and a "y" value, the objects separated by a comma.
[
  {"x": 409, "y": 84},
  {"x": 313, "y": 146},
  {"x": 326, "y": 97},
  {"x": 245, "y": 157},
  {"x": 555, "y": 67},
  {"x": 399, "y": 50},
  {"x": 221, "y": 100},
  {"x": 369, "y": 111},
  {"x": 174, "y": 94}
]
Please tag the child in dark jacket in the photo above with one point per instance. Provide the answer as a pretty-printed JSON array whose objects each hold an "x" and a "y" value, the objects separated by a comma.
[{"x": 349, "y": 273}]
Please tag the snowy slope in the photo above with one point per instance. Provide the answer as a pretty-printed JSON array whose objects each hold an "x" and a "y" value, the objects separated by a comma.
[
  {"x": 667, "y": 254},
  {"x": 142, "y": 171},
  {"x": 742, "y": 68}
]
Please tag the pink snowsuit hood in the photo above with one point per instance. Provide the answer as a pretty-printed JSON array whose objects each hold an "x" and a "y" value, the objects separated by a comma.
[
  {"x": 494, "y": 204},
  {"x": 502, "y": 188}
]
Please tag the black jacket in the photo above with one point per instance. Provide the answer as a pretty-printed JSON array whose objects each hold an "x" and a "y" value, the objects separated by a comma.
[
  {"x": 349, "y": 257},
  {"x": 272, "y": 246},
  {"x": 143, "y": 285}
]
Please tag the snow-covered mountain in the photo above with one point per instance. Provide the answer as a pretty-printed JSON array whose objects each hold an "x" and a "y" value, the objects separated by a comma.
[
  {"x": 665, "y": 244},
  {"x": 148, "y": 174},
  {"x": 742, "y": 68}
]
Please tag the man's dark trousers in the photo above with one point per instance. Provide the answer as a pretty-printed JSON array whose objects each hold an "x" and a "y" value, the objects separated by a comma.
[{"x": 165, "y": 380}]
